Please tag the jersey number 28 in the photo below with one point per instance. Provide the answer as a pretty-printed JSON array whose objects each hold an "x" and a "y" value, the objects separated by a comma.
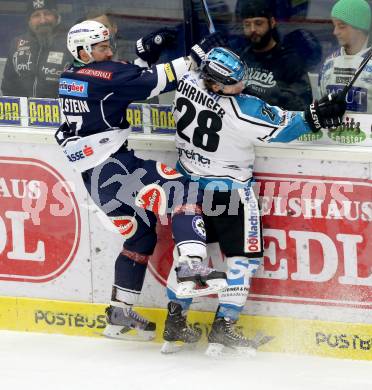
[{"x": 209, "y": 124}]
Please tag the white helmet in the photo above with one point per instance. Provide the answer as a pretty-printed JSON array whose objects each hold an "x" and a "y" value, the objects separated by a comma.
[{"x": 84, "y": 35}]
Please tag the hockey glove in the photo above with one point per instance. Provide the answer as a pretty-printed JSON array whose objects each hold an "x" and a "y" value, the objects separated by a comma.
[
  {"x": 149, "y": 48},
  {"x": 327, "y": 112},
  {"x": 200, "y": 49}
]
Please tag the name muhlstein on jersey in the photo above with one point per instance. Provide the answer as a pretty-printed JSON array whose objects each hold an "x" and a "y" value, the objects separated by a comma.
[
  {"x": 200, "y": 97},
  {"x": 73, "y": 105}
]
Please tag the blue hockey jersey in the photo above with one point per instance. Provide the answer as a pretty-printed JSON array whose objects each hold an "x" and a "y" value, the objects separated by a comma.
[{"x": 94, "y": 97}]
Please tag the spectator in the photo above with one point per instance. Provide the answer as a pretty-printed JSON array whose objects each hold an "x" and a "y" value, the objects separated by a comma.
[
  {"x": 351, "y": 20},
  {"x": 37, "y": 58},
  {"x": 276, "y": 73}
]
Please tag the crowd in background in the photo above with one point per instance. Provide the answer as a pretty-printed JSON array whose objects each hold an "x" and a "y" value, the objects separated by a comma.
[{"x": 291, "y": 56}]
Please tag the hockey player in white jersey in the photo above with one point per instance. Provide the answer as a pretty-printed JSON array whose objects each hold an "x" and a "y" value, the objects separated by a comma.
[
  {"x": 351, "y": 21},
  {"x": 217, "y": 128}
]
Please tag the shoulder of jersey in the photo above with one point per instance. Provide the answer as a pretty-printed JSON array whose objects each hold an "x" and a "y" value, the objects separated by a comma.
[
  {"x": 106, "y": 70},
  {"x": 335, "y": 54},
  {"x": 366, "y": 52},
  {"x": 254, "y": 109}
]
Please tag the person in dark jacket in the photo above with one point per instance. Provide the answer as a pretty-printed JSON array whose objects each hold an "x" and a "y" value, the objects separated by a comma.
[
  {"x": 37, "y": 58},
  {"x": 276, "y": 73}
]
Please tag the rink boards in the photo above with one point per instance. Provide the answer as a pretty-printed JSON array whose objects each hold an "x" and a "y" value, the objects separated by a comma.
[
  {"x": 332, "y": 339},
  {"x": 313, "y": 293}
]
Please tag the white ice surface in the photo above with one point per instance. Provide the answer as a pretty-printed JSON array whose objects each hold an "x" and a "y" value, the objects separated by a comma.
[{"x": 31, "y": 361}]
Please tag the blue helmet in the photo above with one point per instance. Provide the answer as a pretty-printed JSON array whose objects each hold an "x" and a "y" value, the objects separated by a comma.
[{"x": 223, "y": 66}]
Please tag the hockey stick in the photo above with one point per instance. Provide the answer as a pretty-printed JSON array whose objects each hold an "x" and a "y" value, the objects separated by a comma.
[
  {"x": 362, "y": 65},
  {"x": 208, "y": 17}
]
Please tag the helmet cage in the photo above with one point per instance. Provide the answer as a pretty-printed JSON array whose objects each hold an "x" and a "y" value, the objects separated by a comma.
[
  {"x": 84, "y": 35},
  {"x": 223, "y": 67}
]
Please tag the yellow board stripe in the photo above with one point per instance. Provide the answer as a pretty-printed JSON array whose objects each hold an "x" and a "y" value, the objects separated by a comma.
[{"x": 332, "y": 339}]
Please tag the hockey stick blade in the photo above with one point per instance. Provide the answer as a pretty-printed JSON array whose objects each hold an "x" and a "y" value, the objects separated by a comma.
[
  {"x": 363, "y": 64},
  {"x": 208, "y": 17}
]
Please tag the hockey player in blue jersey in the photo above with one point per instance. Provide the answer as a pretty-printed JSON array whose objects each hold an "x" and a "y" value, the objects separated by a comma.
[
  {"x": 94, "y": 93},
  {"x": 217, "y": 128}
]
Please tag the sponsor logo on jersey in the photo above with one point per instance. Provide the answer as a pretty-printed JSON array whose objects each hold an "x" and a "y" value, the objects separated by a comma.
[
  {"x": 152, "y": 197},
  {"x": 198, "y": 226},
  {"x": 194, "y": 156},
  {"x": 169, "y": 72},
  {"x": 343, "y": 79},
  {"x": 99, "y": 74},
  {"x": 167, "y": 172},
  {"x": 80, "y": 154},
  {"x": 126, "y": 225},
  {"x": 73, "y": 87},
  {"x": 252, "y": 227},
  {"x": 344, "y": 71}
]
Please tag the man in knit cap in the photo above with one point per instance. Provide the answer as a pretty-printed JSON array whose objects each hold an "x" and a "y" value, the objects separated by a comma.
[
  {"x": 351, "y": 20},
  {"x": 37, "y": 58}
]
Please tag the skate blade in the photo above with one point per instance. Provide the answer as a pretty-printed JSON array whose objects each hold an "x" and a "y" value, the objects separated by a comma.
[
  {"x": 170, "y": 347},
  {"x": 216, "y": 351},
  {"x": 261, "y": 339},
  {"x": 120, "y": 332},
  {"x": 187, "y": 289}
]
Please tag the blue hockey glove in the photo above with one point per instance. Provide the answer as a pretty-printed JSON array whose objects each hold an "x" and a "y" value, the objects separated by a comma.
[
  {"x": 149, "y": 48},
  {"x": 327, "y": 112},
  {"x": 200, "y": 49}
]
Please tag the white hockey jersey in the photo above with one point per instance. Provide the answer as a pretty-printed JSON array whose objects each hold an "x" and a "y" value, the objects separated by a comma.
[
  {"x": 216, "y": 134},
  {"x": 338, "y": 69}
]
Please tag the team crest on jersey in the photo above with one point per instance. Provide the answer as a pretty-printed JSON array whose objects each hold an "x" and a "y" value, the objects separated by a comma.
[
  {"x": 152, "y": 198},
  {"x": 199, "y": 227},
  {"x": 167, "y": 172},
  {"x": 126, "y": 225}
]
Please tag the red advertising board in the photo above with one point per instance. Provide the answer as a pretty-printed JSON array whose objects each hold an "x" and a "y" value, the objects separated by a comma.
[
  {"x": 39, "y": 221},
  {"x": 318, "y": 247}
]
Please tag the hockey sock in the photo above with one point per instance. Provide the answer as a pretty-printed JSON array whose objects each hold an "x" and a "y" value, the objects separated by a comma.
[
  {"x": 129, "y": 277},
  {"x": 229, "y": 311},
  {"x": 234, "y": 297}
]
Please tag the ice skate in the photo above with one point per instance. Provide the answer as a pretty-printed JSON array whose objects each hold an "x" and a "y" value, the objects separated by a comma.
[
  {"x": 196, "y": 279},
  {"x": 224, "y": 340},
  {"x": 177, "y": 333},
  {"x": 123, "y": 323}
]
